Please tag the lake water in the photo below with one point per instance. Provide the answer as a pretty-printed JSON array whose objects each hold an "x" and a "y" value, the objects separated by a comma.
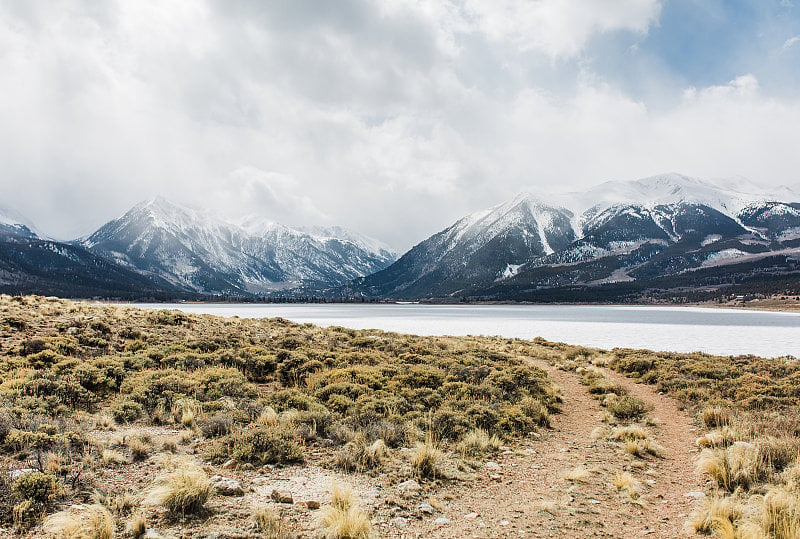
[{"x": 677, "y": 329}]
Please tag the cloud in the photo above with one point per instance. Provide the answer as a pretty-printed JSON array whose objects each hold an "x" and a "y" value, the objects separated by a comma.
[
  {"x": 560, "y": 28},
  {"x": 789, "y": 43},
  {"x": 393, "y": 118}
]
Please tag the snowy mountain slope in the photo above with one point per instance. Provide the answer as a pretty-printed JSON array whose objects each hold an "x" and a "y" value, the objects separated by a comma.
[
  {"x": 478, "y": 247},
  {"x": 199, "y": 252},
  {"x": 12, "y": 222},
  {"x": 616, "y": 231}
]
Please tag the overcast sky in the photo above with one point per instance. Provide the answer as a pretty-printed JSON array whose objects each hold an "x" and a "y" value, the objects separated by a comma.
[{"x": 393, "y": 118}]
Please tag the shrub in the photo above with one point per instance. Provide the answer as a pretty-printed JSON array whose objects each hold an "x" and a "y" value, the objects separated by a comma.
[
  {"x": 126, "y": 411},
  {"x": 359, "y": 456},
  {"x": 628, "y": 408},
  {"x": 182, "y": 491},
  {"x": 266, "y": 445},
  {"x": 216, "y": 425},
  {"x": 38, "y": 487}
]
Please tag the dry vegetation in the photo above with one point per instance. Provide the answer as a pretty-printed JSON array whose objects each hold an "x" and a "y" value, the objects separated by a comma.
[
  {"x": 748, "y": 408},
  {"x": 114, "y": 419}
]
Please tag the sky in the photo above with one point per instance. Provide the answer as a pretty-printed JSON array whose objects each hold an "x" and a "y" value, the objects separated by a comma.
[{"x": 393, "y": 118}]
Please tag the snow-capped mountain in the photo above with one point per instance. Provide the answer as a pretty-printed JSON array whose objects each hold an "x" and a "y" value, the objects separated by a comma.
[
  {"x": 616, "y": 231},
  {"x": 197, "y": 251},
  {"x": 12, "y": 222}
]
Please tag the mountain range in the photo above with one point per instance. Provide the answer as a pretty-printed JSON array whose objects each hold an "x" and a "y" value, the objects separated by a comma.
[
  {"x": 619, "y": 241},
  {"x": 622, "y": 236},
  {"x": 160, "y": 249}
]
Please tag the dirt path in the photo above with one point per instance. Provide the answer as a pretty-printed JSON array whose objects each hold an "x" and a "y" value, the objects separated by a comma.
[{"x": 524, "y": 493}]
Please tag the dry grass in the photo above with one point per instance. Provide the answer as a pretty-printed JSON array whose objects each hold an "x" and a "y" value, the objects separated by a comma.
[
  {"x": 644, "y": 448},
  {"x": 181, "y": 491},
  {"x": 780, "y": 514},
  {"x": 112, "y": 456},
  {"x": 271, "y": 524},
  {"x": 578, "y": 474},
  {"x": 715, "y": 510},
  {"x": 426, "y": 458},
  {"x": 736, "y": 466},
  {"x": 477, "y": 442},
  {"x": 137, "y": 526},
  {"x": 343, "y": 519},
  {"x": 140, "y": 447},
  {"x": 81, "y": 522},
  {"x": 625, "y": 482}
]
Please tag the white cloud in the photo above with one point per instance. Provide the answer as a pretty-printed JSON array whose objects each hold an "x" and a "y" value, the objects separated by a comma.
[
  {"x": 393, "y": 118},
  {"x": 789, "y": 43},
  {"x": 560, "y": 28}
]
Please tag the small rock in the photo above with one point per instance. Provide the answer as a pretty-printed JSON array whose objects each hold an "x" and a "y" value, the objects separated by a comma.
[
  {"x": 227, "y": 486},
  {"x": 696, "y": 495},
  {"x": 471, "y": 516},
  {"x": 495, "y": 477},
  {"x": 426, "y": 509},
  {"x": 408, "y": 488},
  {"x": 312, "y": 504},
  {"x": 229, "y": 464},
  {"x": 16, "y": 474},
  {"x": 399, "y": 522},
  {"x": 504, "y": 522},
  {"x": 504, "y": 448},
  {"x": 492, "y": 465},
  {"x": 442, "y": 521},
  {"x": 282, "y": 496},
  {"x": 508, "y": 452}
]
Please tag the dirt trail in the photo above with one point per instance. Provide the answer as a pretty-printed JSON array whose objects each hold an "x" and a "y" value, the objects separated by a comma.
[{"x": 523, "y": 493}]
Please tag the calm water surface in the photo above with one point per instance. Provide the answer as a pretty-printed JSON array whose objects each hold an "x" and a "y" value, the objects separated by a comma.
[{"x": 677, "y": 329}]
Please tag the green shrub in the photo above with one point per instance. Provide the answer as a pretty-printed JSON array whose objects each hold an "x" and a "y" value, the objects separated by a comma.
[
  {"x": 628, "y": 408},
  {"x": 126, "y": 411},
  {"x": 276, "y": 444},
  {"x": 37, "y": 487}
]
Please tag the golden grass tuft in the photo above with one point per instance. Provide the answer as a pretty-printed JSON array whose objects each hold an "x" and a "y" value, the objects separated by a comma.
[
  {"x": 643, "y": 447},
  {"x": 271, "y": 524},
  {"x": 182, "y": 491},
  {"x": 715, "y": 417},
  {"x": 137, "y": 526},
  {"x": 716, "y": 511},
  {"x": 343, "y": 518},
  {"x": 736, "y": 466},
  {"x": 578, "y": 474},
  {"x": 81, "y": 522},
  {"x": 780, "y": 516},
  {"x": 112, "y": 456},
  {"x": 477, "y": 442},
  {"x": 625, "y": 482},
  {"x": 426, "y": 458}
]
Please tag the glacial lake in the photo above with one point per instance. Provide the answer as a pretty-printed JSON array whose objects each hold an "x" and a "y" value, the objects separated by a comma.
[{"x": 676, "y": 329}]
